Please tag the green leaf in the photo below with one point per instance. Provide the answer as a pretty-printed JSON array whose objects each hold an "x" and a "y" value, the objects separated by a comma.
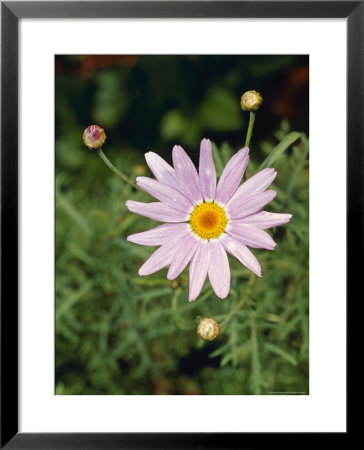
[
  {"x": 278, "y": 151},
  {"x": 217, "y": 159},
  {"x": 173, "y": 124},
  {"x": 72, "y": 299},
  {"x": 111, "y": 98},
  {"x": 299, "y": 168},
  {"x": 221, "y": 350},
  {"x": 282, "y": 353},
  {"x": 220, "y": 111},
  {"x": 245, "y": 348},
  {"x": 73, "y": 213},
  {"x": 226, "y": 152}
]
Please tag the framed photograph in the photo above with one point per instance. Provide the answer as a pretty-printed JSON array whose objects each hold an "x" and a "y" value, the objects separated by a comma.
[{"x": 181, "y": 190}]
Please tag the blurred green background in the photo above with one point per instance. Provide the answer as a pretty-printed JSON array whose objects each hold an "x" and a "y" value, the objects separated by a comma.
[{"x": 118, "y": 333}]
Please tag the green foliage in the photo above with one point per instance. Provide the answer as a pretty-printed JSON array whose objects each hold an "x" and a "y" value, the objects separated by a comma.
[
  {"x": 219, "y": 111},
  {"x": 118, "y": 333},
  {"x": 279, "y": 150}
]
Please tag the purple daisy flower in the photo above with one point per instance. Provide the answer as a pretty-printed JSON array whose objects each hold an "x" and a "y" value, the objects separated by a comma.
[{"x": 205, "y": 218}]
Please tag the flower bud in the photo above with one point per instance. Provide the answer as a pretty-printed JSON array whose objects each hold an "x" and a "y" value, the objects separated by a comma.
[
  {"x": 94, "y": 137},
  {"x": 208, "y": 329},
  {"x": 251, "y": 101}
]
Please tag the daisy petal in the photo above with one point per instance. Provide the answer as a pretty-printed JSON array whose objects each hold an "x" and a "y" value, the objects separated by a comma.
[
  {"x": 183, "y": 256},
  {"x": 159, "y": 235},
  {"x": 238, "y": 208},
  {"x": 232, "y": 175},
  {"x": 207, "y": 171},
  {"x": 265, "y": 219},
  {"x": 219, "y": 269},
  {"x": 156, "y": 211},
  {"x": 251, "y": 236},
  {"x": 256, "y": 184},
  {"x": 198, "y": 269},
  {"x": 186, "y": 174},
  {"x": 164, "y": 193},
  {"x": 161, "y": 258},
  {"x": 242, "y": 253},
  {"x": 162, "y": 170}
]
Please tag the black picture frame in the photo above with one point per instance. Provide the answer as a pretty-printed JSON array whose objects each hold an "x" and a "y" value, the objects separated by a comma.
[{"x": 11, "y": 12}]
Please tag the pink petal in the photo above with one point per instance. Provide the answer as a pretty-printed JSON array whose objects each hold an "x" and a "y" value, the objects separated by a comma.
[
  {"x": 198, "y": 269},
  {"x": 164, "y": 193},
  {"x": 219, "y": 269},
  {"x": 207, "y": 171},
  {"x": 242, "y": 253},
  {"x": 156, "y": 211},
  {"x": 186, "y": 174},
  {"x": 251, "y": 236},
  {"x": 161, "y": 258},
  {"x": 162, "y": 170},
  {"x": 232, "y": 175},
  {"x": 265, "y": 219},
  {"x": 182, "y": 256},
  {"x": 238, "y": 208},
  {"x": 256, "y": 184},
  {"x": 158, "y": 235}
]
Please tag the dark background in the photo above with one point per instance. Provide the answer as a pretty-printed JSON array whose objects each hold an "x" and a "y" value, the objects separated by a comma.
[{"x": 150, "y": 102}]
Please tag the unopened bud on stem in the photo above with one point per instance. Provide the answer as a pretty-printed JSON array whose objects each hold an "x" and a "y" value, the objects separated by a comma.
[
  {"x": 251, "y": 101},
  {"x": 94, "y": 137}
]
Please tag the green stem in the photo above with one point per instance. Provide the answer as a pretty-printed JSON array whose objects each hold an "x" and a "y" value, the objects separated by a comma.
[
  {"x": 250, "y": 128},
  {"x": 118, "y": 172},
  {"x": 256, "y": 379},
  {"x": 241, "y": 303}
]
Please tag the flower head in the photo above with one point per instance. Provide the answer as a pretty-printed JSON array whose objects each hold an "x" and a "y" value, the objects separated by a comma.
[
  {"x": 205, "y": 219},
  {"x": 94, "y": 137}
]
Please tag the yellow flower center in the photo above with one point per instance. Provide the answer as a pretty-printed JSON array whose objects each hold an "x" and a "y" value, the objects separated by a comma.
[{"x": 208, "y": 220}]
